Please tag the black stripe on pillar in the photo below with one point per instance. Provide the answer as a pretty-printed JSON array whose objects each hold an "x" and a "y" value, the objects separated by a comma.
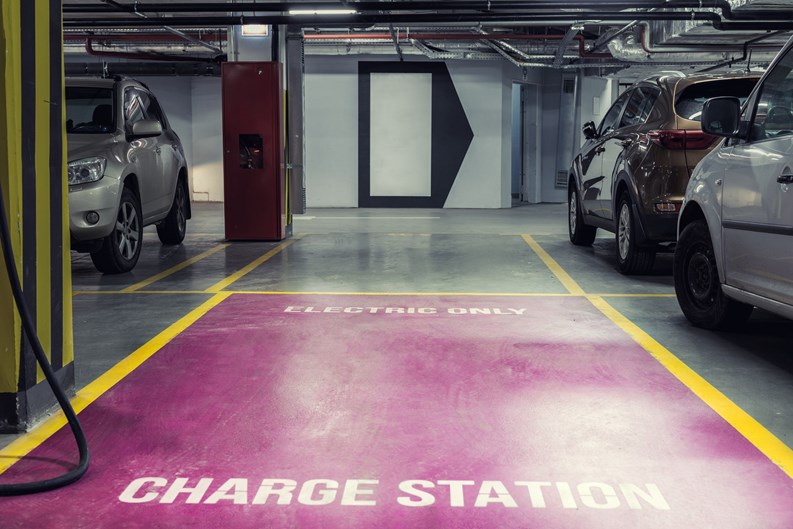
[
  {"x": 27, "y": 375},
  {"x": 56, "y": 183}
]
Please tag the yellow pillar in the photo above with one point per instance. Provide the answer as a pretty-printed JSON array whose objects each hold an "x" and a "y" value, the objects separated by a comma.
[{"x": 32, "y": 176}]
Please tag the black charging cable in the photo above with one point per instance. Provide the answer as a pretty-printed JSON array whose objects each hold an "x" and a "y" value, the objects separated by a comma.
[{"x": 15, "y": 489}]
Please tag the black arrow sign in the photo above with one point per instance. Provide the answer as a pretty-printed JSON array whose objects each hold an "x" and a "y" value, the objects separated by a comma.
[{"x": 451, "y": 134}]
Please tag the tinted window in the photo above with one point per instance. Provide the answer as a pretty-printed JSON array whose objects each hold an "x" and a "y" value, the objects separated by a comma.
[
  {"x": 609, "y": 122},
  {"x": 89, "y": 110},
  {"x": 639, "y": 106},
  {"x": 153, "y": 111},
  {"x": 691, "y": 100},
  {"x": 774, "y": 114},
  {"x": 135, "y": 103}
]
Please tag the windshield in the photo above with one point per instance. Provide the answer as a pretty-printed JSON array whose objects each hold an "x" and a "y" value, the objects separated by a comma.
[
  {"x": 690, "y": 102},
  {"x": 89, "y": 110}
]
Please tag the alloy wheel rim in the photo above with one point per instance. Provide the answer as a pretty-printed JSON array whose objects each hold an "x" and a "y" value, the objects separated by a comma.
[
  {"x": 127, "y": 231},
  {"x": 624, "y": 232},
  {"x": 573, "y": 212},
  {"x": 181, "y": 213}
]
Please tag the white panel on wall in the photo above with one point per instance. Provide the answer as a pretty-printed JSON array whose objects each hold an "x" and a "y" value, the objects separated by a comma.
[{"x": 401, "y": 134}]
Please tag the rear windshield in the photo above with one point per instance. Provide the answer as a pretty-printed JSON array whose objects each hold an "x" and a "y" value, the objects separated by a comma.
[
  {"x": 89, "y": 110},
  {"x": 691, "y": 100}
]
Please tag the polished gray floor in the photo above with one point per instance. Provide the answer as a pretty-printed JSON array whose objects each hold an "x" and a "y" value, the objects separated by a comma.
[{"x": 422, "y": 251}]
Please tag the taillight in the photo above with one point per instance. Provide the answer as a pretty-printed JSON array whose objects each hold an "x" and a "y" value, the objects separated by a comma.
[{"x": 681, "y": 139}]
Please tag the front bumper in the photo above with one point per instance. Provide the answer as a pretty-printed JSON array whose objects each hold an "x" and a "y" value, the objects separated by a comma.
[{"x": 102, "y": 197}]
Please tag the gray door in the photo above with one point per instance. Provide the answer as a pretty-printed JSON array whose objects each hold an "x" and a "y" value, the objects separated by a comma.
[
  {"x": 758, "y": 194},
  {"x": 531, "y": 190}
]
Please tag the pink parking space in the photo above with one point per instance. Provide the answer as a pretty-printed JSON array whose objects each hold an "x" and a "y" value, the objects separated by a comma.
[{"x": 290, "y": 411}]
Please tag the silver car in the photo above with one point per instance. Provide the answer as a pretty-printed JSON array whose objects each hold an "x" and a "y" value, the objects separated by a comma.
[
  {"x": 735, "y": 247},
  {"x": 126, "y": 170}
]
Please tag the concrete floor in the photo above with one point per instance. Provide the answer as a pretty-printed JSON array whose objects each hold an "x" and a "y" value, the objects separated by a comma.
[{"x": 440, "y": 252}]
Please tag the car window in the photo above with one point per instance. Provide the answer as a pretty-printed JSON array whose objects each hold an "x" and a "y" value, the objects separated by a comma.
[
  {"x": 610, "y": 120},
  {"x": 153, "y": 111},
  {"x": 773, "y": 114},
  {"x": 691, "y": 99},
  {"x": 639, "y": 106},
  {"x": 134, "y": 106},
  {"x": 89, "y": 110}
]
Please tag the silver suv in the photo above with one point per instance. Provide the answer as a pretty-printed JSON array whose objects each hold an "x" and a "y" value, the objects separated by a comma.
[
  {"x": 735, "y": 247},
  {"x": 126, "y": 170}
]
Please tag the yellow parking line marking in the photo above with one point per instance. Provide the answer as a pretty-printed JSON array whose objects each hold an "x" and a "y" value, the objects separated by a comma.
[
  {"x": 563, "y": 277},
  {"x": 174, "y": 269},
  {"x": 770, "y": 445},
  {"x": 220, "y": 285},
  {"x": 756, "y": 433},
  {"x": 25, "y": 444}
]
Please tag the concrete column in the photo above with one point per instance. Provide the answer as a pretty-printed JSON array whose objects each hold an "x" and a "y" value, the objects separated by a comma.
[{"x": 32, "y": 176}]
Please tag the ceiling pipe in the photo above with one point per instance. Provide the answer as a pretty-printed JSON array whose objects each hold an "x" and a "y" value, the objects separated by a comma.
[
  {"x": 136, "y": 37},
  {"x": 96, "y": 69},
  {"x": 181, "y": 34},
  {"x": 745, "y": 55},
  {"x": 628, "y": 48},
  {"x": 487, "y": 6},
  {"x": 541, "y": 18},
  {"x": 460, "y": 36},
  {"x": 140, "y": 55},
  {"x": 644, "y": 40}
]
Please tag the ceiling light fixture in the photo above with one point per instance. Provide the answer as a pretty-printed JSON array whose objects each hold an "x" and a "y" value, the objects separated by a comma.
[
  {"x": 255, "y": 30},
  {"x": 323, "y": 12}
]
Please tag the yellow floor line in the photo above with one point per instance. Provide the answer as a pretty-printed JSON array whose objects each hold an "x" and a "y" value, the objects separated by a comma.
[
  {"x": 756, "y": 433},
  {"x": 220, "y": 285},
  {"x": 369, "y": 293},
  {"x": 773, "y": 448},
  {"x": 174, "y": 269},
  {"x": 554, "y": 267},
  {"x": 26, "y": 443}
]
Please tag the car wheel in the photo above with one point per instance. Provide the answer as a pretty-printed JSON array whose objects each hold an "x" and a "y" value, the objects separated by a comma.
[
  {"x": 697, "y": 283},
  {"x": 121, "y": 249},
  {"x": 173, "y": 228},
  {"x": 580, "y": 233},
  {"x": 630, "y": 258}
]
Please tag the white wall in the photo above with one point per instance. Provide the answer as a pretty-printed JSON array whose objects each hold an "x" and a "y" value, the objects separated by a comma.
[
  {"x": 331, "y": 132},
  {"x": 331, "y": 114},
  {"x": 484, "y": 179},
  {"x": 206, "y": 101},
  {"x": 170, "y": 92}
]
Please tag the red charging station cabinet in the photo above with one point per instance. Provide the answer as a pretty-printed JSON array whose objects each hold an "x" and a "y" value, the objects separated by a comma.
[{"x": 254, "y": 173}]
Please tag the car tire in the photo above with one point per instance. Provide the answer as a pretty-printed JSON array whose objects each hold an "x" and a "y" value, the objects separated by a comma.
[
  {"x": 631, "y": 259},
  {"x": 121, "y": 249},
  {"x": 697, "y": 283},
  {"x": 173, "y": 228},
  {"x": 580, "y": 233}
]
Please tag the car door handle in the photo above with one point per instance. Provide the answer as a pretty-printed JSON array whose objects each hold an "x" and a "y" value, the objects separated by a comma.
[
  {"x": 600, "y": 150},
  {"x": 786, "y": 177}
]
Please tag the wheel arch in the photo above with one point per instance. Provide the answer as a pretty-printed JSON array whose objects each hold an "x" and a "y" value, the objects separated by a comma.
[{"x": 183, "y": 178}]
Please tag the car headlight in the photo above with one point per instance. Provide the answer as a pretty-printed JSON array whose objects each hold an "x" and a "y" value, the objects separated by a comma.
[{"x": 86, "y": 170}]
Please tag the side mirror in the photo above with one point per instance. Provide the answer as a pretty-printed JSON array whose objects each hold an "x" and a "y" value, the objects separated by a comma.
[
  {"x": 721, "y": 115},
  {"x": 590, "y": 131},
  {"x": 146, "y": 128}
]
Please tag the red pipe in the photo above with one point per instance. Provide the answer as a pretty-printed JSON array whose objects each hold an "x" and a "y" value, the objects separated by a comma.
[{"x": 456, "y": 36}]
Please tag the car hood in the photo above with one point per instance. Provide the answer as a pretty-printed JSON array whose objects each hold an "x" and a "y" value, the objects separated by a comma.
[{"x": 88, "y": 145}]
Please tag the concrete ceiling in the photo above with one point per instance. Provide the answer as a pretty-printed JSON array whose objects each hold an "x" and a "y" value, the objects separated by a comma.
[{"x": 608, "y": 35}]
